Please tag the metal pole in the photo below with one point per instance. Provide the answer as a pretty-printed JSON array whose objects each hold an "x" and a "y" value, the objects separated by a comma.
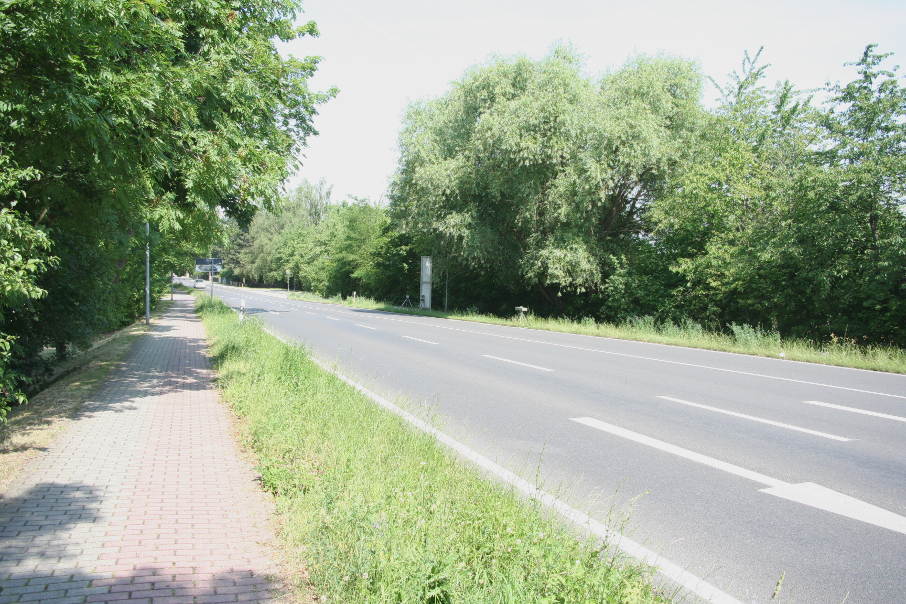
[
  {"x": 211, "y": 274},
  {"x": 147, "y": 274}
]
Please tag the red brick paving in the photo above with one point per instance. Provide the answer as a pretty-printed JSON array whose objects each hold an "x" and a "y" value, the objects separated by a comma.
[{"x": 145, "y": 498}]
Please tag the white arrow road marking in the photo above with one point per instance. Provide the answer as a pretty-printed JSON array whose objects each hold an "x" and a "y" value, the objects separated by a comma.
[
  {"x": 753, "y": 418},
  {"x": 809, "y": 493},
  {"x": 806, "y": 493},
  {"x": 671, "y": 570},
  {"x": 895, "y": 418},
  {"x": 419, "y": 340},
  {"x": 488, "y": 356}
]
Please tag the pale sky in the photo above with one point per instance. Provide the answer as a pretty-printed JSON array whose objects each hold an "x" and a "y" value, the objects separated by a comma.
[{"x": 383, "y": 55}]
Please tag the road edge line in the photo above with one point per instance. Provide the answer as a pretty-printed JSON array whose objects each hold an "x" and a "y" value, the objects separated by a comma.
[
  {"x": 672, "y": 571},
  {"x": 668, "y": 569}
]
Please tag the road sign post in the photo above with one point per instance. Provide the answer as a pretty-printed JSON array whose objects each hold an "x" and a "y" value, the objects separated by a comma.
[{"x": 209, "y": 266}]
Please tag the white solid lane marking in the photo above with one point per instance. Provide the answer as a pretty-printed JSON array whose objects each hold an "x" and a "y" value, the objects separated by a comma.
[
  {"x": 366, "y": 327},
  {"x": 753, "y": 418},
  {"x": 419, "y": 340},
  {"x": 428, "y": 321},
  {"x": 488, "y": 356},
  {"x": 895, "y": 418},
  {"x": 806, "y": 493},
  {"x": 679, "y": 451},
  {"x": 672, "y": 571},
  {"x": 815, "y": 495}
]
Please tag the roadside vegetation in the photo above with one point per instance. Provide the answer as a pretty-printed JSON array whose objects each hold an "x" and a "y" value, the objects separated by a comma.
[
  {"x": 743, "y": 339},
  {"x": 376, "y": 511},
  {"x": 596, "y": 201},
  {"x": 115, "y": 114}
]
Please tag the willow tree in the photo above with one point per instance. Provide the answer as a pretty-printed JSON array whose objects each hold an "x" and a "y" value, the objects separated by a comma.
[{"x": 535, "y": 176}]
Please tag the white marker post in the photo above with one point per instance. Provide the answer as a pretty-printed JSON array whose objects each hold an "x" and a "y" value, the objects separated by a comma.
[{"x": 425, "y": 298}]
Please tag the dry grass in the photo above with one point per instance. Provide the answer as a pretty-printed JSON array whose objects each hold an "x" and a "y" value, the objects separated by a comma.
[
  {"x": 742, "y": 339},
  {"x": 30, "y": 428}
]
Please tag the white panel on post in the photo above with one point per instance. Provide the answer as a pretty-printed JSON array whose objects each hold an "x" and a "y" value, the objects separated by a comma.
[{"x": 425, "y": 299}]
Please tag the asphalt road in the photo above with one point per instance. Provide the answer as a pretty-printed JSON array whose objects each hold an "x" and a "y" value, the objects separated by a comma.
[{"x": 740, "y": 469}]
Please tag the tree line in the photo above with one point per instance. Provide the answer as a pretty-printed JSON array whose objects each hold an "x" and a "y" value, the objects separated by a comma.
[
  {"x": 114, "y": 113},
  {"x": 625, "y": 196}
]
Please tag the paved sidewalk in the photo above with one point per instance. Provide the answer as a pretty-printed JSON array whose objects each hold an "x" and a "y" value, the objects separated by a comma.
[{"x": 145, "y": 498}]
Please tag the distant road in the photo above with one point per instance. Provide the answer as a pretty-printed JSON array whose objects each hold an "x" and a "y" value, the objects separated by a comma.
[{"x": 740, "y": 469}]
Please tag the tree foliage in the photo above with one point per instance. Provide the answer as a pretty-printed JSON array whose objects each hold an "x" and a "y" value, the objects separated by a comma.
[
  {"x": 118, "y": 112},
  {"x": 325, "y": 247},
  {"x": 620, "y": 197},
  {"x": 792, "y": 218},
  {"x": 534, "y": 175}
]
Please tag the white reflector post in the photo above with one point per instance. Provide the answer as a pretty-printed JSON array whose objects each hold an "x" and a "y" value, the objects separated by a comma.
[{"x": 425, "y": 299}]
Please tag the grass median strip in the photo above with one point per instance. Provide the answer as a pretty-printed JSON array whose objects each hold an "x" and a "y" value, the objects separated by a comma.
[
  {"x": 742, "y": 339},
  {"x": 379, "y": 512}
]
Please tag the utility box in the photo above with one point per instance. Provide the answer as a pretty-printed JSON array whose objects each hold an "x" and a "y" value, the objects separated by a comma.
[{"x": 425, "y": 291}]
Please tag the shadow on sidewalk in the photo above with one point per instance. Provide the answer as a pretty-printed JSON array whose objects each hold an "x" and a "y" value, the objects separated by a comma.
[{"x": 45, "y": 532}]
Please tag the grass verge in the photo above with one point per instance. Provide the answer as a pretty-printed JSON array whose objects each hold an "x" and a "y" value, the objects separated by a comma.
[
  {"x": 31, "y": 427},
  {"x": 379, "y": 512},
  {"x": 742, "y": 339}
]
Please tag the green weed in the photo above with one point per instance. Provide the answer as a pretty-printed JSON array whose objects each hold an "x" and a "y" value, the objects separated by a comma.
[
  {"x": 379, "y": 512},
  {"x": 743, "y": 339}
]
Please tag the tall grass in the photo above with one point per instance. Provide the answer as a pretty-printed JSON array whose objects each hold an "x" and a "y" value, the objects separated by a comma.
[
  {"x": 743, "y": 339},
  {"x": 377, "y": 511}
]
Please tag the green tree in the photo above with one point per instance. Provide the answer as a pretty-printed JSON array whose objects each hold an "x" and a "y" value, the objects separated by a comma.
[
  {"x": 866, "y": 160},
  {"x": 790, "y": 217},
  {"x": 117, "y": 112},
  {"x": 534, "y": 176}
]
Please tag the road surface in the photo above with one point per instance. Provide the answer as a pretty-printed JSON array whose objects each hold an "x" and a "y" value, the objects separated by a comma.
[{"x": 740, "y": 469}]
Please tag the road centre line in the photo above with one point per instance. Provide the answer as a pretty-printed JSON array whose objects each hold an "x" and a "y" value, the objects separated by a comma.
[
  {"x": 377, "y": 314},
  {"x": 805, "y": 493},
  {"x": 679, "y": 575},
  {"x": 489, "y": 356},
  {"x": 365, "y": 326},
  {"x": 753, "y": 418},
  {"x": 419, "y": 340},
  {"x": 895, "y": 418},
  {"x": 642, "y": 357},
  {"x": 679, "y": 451}
]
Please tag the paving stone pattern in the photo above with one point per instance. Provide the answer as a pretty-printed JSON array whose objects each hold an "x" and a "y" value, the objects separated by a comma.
[{"x": 145, "y": 498}]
